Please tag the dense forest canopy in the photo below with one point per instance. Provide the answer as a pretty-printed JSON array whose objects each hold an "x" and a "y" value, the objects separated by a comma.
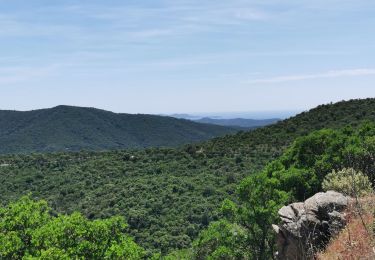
[{"x": 168, "y": 196}]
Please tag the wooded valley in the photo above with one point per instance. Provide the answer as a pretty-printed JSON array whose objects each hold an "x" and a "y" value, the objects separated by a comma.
[{"x": 206, "y": 200}]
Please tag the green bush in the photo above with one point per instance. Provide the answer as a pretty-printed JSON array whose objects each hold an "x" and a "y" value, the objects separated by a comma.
[
  {"x": 29, "y": 231},
  {"x": 348, "y": 181},
  {"x": 221, "y": 240}
]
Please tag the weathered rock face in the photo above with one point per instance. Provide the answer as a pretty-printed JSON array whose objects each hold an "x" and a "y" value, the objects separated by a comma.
[{"x": 307, "y": 226}]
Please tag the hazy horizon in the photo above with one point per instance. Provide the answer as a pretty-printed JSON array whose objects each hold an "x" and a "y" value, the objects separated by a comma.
[{"x": 261, "y": 114}]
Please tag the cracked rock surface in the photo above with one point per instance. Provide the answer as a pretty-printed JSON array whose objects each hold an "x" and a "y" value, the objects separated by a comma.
[{"x": 306, "y": 227}]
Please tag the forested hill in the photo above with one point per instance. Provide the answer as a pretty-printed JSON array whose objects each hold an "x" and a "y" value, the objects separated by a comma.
[
  {"x": 66, "y": 128},
  {"x": 336, "y": 115},
  {"x": 167, "y": 195}
]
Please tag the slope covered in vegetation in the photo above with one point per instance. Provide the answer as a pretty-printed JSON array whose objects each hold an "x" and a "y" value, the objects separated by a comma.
[
  {"x": 169, "y": 195},
  {"x": 66, "y": 128},
  {"x": 295, "y": 176}
]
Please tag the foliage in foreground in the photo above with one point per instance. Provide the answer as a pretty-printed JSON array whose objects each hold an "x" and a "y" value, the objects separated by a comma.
[{"x": 29, "y": 231}]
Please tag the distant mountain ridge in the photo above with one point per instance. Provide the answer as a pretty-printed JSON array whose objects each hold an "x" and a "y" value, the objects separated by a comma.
[
  {"x": 75, "y": 128},
  {"x": 239, "y": 122},
  {"x": 257, "y": 115}
]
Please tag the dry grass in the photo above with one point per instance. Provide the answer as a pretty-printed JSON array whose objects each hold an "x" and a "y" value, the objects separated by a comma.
[{"x": 356, "y": 241}]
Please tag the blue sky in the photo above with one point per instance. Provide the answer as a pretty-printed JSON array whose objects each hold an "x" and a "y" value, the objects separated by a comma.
[{"x": 176, "y": 56}]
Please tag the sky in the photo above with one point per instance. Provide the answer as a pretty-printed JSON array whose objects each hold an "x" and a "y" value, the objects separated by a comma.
[{"x": 185, "y": 56}]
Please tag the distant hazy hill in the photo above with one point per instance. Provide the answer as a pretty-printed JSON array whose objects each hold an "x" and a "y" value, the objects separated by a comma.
[
  {"x": 76, "y": 128},
  {"x": 239, "y": 122}
]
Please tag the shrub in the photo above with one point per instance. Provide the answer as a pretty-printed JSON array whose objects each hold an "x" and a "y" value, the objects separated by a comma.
[
  {"x": 221, "y": 240},
  {"x": 29, "y": 231},
  {"x": 348, "y": 181}
]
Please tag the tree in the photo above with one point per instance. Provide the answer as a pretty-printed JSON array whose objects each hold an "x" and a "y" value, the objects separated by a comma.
[
  {"x": 27, "y": 230},
  {"x": 221, "y": 240},
  {"x": 259, "y": 202}
]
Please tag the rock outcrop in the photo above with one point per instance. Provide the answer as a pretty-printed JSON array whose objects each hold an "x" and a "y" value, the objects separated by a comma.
[{"x": 306, "y": 227}]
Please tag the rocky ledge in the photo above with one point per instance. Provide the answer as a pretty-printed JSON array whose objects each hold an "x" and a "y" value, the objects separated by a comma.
[{"x": 306, "y": 227}]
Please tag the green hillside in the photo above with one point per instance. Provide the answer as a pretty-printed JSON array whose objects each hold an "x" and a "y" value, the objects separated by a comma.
[
  {"x": 167, "y": 195},
  {"x": 245, "y": 229},
  {"x": 66, "y": 128}
]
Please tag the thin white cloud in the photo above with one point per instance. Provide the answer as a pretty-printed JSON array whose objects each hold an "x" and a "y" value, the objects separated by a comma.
[
  {"x": 328, "y": 74},
  {"x": 170, "y": 18},
  {"x": 10, "y": 75},
  {"x": 16, "y": 26},
  {"x": 151, "y": 33}
]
